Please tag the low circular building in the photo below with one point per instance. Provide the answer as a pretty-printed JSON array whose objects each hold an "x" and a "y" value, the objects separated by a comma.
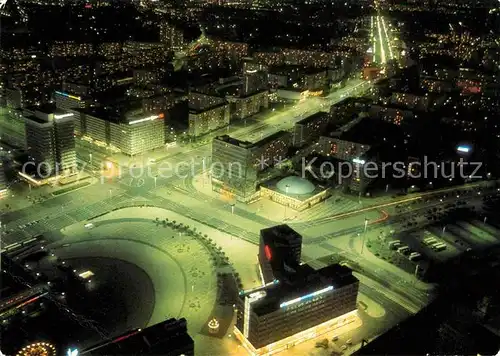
[
  {"x": 295, "y": 185},
  {"x": 293, "y": 191}
]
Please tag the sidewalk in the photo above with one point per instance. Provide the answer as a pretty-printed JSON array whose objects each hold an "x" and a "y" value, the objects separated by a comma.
[{"x": 22, "y": 195}]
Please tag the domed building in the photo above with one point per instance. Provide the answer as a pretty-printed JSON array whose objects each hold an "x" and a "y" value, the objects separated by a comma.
[{"x": 295, "y": 192}]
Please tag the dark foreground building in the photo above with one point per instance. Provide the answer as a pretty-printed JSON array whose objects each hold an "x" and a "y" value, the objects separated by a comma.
[
  {"x": 296, "y": 302},
  {"x": 168, "y": 338}
]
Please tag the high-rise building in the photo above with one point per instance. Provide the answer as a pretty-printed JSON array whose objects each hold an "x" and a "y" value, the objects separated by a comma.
[
  {"x": 132, "y": 133},
  {"x": 236, "y": 164},
  {"x": 233, "y": 169},
  {"x": 287, "y": 246},
  {"x": 206, "y": 113},
  {"x": 296, "y": 302},
  {"x": 50, "y": 140}
]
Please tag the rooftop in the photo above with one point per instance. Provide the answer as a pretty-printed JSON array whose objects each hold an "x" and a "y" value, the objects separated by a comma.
[
  {"x": 295, "y": 185},
  {"x": 303, "y": 282}
]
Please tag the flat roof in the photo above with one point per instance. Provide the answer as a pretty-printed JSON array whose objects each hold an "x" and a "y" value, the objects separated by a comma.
[
  {"x": 303, "y": 282},
  {"x": 270, "y": 138},
  {"x": 273, "y": 185},
  {"x": 206, "y": 108},
  {"x": 312, "y": 117}
]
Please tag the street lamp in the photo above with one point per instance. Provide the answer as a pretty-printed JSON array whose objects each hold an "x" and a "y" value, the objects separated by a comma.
[
  {"x": 155, "y": 177},
  {"x": 232, "y": 208},
  {"x": 364, "y": 235}
]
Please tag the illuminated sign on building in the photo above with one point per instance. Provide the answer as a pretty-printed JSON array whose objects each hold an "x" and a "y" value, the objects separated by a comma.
[
  {"x": 68, "y": 95},
  {"x": 149, "y": 118},
  {"x": 464, "y": 149},
  {"x": 267, "y": 250},
  {"x": 305, "y": 297}
]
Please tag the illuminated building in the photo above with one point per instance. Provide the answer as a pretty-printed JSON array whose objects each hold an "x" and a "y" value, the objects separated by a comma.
[
  {"x": 38, "y": 349},
  {"x": 236, "y": 165},
  {"x": 282, "y": 242},
  {"x": 233, "y": 168},
  {"x": 68, "y": 102},
  {"x": 12, "y": 128},
  {"x": 139, "y": 134},
  {"x": 3, "y": 182},
  {"x": 231, "y": 50},
  {"x": 169, "y": 338},
  {"x": 314, "y": 79},
  {"x": 171, "y": 36},
  {"x": 296, "y": 302},
  {"x": 206, "y": 113},
  {"x": 14, "y": 98},
  {"x": 310, "y": 128},
  {"x": 371, "y": 73},
  {"x": 244, "y": 105},
  {"x": 341, "y": 149},
  {"x": 50, "y": 140},
  {"x": 132, "y": 133},
  {"x": 295, "y": 192},
  {"x": 411, "y": 100},
  {"x": 146, "y": 76},
  {"x": 391, "y": 114}
]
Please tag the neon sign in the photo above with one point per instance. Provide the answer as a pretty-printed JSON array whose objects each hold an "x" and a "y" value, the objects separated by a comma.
[
  {"x": 68, "y": 95},
  {"x": 267, "y": 250},
  {"x": 300, "y": 299}
]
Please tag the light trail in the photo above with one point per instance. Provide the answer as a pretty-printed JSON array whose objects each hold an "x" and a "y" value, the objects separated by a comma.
[
  {"x": 387, "y": 39},
  {"x": 382, "y": 50},
  {"x": 372, "y": 24},
  {"x": 355, "y": 212},
  {"x": 405, "y": 200}
]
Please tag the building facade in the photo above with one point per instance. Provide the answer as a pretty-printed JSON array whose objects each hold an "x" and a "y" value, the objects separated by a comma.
[
  {"x": 50, "y": 141},
  {"x": 138, "y": 135},
  {"x": 248, "y": 105},
  {"x": 131, "y": 134},
  {"x": 233, "y": 171},
  {"x": 296, "y": 302},
  {"x": 206, "y": 113},
  {"x": 309, "y": 129},
  {"x": 237, "y": 165}
]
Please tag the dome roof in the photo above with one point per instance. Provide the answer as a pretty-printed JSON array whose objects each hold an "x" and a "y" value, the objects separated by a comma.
[{"x": 296, "y": 186}]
